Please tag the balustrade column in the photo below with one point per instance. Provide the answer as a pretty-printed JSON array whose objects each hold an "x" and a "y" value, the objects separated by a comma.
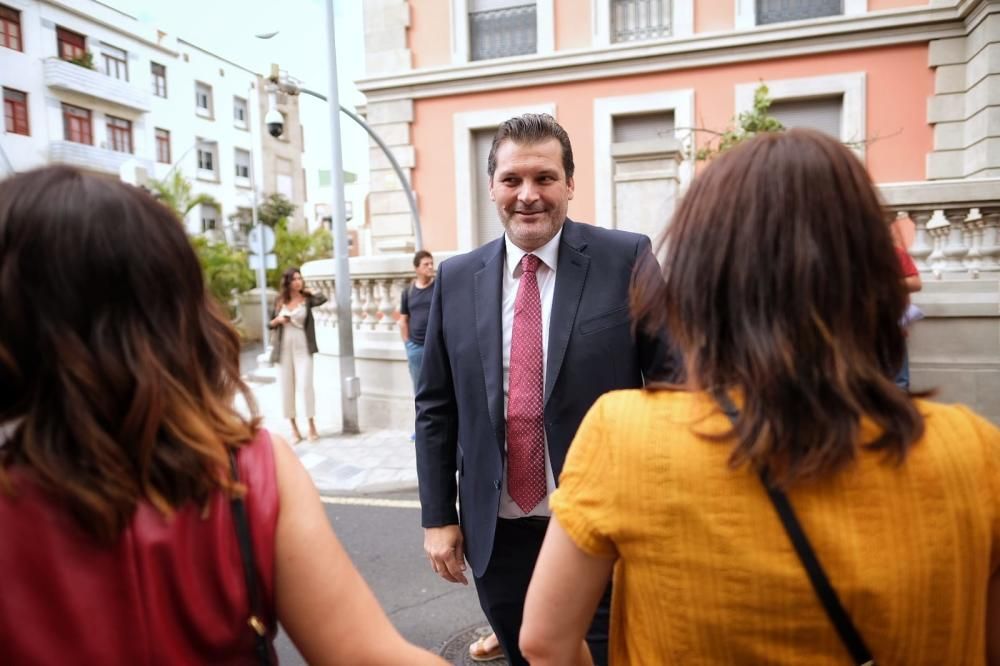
[
  {"x": 921, "y": 248},
  {"x": 387, "y": 322},
  {"x": 328, "y": 311},
  {"x": 990, "y": 246},
  {"x": 371, "y": 305},
  {"x": 955, "y": 249},
  {"x": 357, "y": 307}
]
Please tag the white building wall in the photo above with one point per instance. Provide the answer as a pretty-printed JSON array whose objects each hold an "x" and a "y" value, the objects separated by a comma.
[{"x": 185, "y": 64}]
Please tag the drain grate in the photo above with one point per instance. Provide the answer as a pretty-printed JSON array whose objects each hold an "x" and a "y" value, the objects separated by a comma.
[{"x": 456, "y": 648}]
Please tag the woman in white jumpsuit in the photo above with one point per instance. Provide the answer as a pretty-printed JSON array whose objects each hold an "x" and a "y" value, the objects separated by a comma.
[{"x": 294, "y": 344}]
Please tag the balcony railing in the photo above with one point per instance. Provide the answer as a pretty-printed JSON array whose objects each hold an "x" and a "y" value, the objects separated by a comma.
[
  {"x": 638, "y": 20},
  {"x": 62, "y": 75},
  {"x": 499, "y": 33}
]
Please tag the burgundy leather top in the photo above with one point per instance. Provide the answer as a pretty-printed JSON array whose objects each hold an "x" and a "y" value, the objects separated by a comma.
[{"x": 170, "y": 591}]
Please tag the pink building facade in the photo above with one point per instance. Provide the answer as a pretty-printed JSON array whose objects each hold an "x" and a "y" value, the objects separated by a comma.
[{"x": 913, "y": 86}]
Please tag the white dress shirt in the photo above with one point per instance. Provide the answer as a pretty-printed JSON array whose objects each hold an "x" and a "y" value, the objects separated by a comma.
[{"x": 546, "y": 277}]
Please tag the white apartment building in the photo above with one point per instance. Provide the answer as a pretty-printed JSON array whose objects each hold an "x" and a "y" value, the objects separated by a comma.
[{"x": 147, "y": 100}]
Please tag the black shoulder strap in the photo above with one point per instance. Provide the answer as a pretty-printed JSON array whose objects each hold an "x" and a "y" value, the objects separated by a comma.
[
  {"x": 841, "y": 621},
  {"x": 249, "y": 570}
]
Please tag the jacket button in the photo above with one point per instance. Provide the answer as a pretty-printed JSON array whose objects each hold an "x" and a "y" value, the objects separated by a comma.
[{"x": 496, "y": 484}]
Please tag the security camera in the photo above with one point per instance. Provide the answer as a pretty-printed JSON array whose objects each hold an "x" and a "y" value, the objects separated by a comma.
[{"x": 275, "y": 123}]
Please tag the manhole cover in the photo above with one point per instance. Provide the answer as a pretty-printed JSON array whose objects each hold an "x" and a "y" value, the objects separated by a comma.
[{"x": 456, "y": 648}]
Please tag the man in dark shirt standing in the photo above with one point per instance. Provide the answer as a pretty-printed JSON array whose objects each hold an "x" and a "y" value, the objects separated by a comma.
[{"x": 414, "y": 310}]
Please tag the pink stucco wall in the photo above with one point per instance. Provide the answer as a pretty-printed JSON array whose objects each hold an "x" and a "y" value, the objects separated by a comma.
[
  {"x": 573, "y": 24},
  {"x": 898, "y": 85},
  {"x": 714, "y": 16},
  {"x": 429, "y": 35}
]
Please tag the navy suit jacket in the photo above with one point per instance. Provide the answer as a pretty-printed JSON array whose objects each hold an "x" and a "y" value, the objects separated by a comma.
[{"x": 460, "y": 414}]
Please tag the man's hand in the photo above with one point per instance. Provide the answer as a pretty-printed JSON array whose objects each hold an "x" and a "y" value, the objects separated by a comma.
[{"x": 443, "y": 546}]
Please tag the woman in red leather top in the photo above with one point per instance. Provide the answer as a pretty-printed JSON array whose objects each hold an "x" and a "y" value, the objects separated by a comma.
[{"x": 117, "y": 383}]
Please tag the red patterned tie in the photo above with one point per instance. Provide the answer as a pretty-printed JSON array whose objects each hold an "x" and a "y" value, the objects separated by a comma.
[{"x": 525, "y": 425}]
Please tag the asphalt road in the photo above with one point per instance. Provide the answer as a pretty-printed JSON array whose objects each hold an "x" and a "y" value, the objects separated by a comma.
[{"x": 385, "y": 543}]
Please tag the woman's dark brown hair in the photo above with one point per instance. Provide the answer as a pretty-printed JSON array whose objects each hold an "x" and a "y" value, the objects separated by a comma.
[
  {"x": 780, "y": 282},
  {"x": 285, "y": 294},
  {"x": 117, "y": 369}
]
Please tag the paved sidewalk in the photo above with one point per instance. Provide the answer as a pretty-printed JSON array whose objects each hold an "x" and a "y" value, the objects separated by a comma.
[{"x": 373, "y": 461}]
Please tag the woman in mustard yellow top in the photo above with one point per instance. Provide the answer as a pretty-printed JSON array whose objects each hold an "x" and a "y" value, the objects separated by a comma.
[{"x": 782, "y": 290}]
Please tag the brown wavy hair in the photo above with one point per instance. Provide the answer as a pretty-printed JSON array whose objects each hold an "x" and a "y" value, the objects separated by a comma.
[
  {"x": 780, "y": 284},
  {"x": 117, "y": 369},
  {"x": 285, "y": 291}
]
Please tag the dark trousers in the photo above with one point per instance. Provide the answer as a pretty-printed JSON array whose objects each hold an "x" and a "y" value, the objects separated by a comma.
[{"x": 504, "y": 584}]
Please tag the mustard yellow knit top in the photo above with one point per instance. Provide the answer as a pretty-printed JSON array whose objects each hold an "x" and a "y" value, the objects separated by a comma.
[{"x": 706, "y": 575}]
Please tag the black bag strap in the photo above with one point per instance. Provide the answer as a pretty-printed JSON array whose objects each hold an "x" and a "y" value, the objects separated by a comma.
[
  {"x": 848, "y": 633},
  {"x": 249, "y": 570}
]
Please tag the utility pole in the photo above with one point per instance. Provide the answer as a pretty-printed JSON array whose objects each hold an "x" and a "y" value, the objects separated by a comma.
[{"x": 350, "y": 384}]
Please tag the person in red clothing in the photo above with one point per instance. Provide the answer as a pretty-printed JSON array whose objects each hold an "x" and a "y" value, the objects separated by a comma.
[
  {"x": 911, "y": 279},
  {"x": 118, "y": 441}
]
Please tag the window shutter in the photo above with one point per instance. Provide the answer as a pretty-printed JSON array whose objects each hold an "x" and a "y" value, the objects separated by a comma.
[
  {"x": 778, "y": 11},
  {"x": 643, "y": 127},
  {"x": 487, "y": 223},
  {"x": 820, "y": 113}
]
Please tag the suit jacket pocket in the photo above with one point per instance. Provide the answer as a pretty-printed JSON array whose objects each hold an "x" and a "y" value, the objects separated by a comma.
[{"x": 605, "y": 320}]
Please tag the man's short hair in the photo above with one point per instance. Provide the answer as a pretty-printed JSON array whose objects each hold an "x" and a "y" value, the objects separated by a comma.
[
  {"x": 528, "y": 129},
  {"x": 420, "y": 256}
]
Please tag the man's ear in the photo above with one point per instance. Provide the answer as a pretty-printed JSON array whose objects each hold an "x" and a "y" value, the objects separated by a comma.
[{"x": 570, "y": 185}]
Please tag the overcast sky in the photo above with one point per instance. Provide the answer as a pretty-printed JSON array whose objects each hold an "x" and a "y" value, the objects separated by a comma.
[{"x": 227, "y": 28}]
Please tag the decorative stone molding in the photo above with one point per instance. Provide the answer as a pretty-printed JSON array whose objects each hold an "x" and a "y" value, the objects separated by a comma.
[{"x": 965, "y": 109}]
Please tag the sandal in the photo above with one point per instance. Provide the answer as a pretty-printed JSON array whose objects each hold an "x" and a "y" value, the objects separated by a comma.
[{"x": 479, "y": 652}]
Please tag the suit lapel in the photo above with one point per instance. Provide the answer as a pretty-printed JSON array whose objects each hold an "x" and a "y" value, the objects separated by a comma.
[
  {"x": 570, "y": 278},
  {"x": 488, "y": 294}
]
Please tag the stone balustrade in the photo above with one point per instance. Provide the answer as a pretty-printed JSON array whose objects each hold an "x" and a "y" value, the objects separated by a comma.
[
  {"x": 377, "y": 284},
  {"x": 956, "y": 348},
  {"x": 957, "y": 225}
]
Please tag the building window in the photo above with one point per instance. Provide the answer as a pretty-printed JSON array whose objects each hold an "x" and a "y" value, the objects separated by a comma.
[
  {"x": 501, "y": 28},
  {"x": 831, "y": 103},
  {"x": 77, "y": 124},
  {"x": 240, "y": 112},
  {"x": 72, "y": 45},
  {"x": 822, "y": 113},
  {"x": 162, "y": 146},
  {"x": 209, "y": 217},
  {"x": 637, "y": 20},
  {"x": 242, "y": 163},
  {"x": 284, "y": 180},
  {"x": 159, "y": 73},
  {"x": 115, "y": 62},
  {"x": 203, "y": 99},
  {"x": 207, "y": 160},
  {"x": 10, "y": 28},
  {"x": 779, "y": 11},
  {"x": 642, "y": 127},
  {"x": 119, "y": 134},
  {"x": 15, "y": 111}
]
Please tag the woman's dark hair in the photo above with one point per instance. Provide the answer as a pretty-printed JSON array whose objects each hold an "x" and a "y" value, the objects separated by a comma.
[
  {"x": 780, "y": 282},
  {"x": 117, "y": 369},
  {"x": 286, "y": 284}
]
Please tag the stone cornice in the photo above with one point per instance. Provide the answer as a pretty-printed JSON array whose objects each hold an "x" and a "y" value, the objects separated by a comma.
[{"x": 840, "y": 33}]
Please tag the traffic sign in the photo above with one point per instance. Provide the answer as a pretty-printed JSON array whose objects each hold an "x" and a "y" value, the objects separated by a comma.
[
  {"x": 270, "y": 261},
  {"x": 255, "y": 239}
]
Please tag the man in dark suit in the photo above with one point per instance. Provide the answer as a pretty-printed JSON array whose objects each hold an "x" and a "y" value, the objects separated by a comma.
[{"x": 525, "y": 333}]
